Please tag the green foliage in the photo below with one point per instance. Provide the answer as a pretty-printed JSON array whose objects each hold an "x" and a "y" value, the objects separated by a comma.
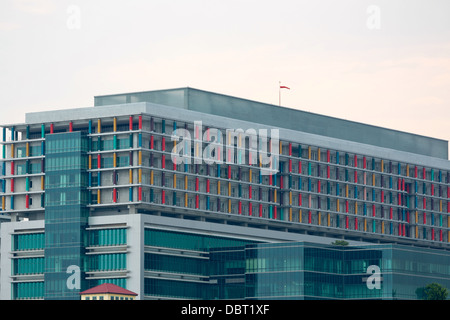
[
  {"x": 435, "y": 291},
  {"x": 340, "y": 243}
]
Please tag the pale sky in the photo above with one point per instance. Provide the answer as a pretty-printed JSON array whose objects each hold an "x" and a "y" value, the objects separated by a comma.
[{"x": 382, "y": 62}]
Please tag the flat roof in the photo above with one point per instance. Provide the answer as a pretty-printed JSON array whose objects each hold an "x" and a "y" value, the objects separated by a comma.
[{"x": 283, "y": 117}]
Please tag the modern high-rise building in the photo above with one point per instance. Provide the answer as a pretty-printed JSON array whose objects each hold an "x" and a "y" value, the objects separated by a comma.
[{"x": 188, "y": 194}]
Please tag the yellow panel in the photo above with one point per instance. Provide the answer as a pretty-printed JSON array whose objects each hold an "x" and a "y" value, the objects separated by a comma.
[
  {"x": 140, "y": 157},
  {"x": 90, "y": 161},
  {"x": 300, "y": 215},
  {"x": 151, "y": 177},
  {"x": 115, "y": 124},
  {"x": 318, "y": 154},
  {"x": 329, "y": 220},
  {"x": 229, "y": 205},
  {"x": 218, "y": 187},
  {"x": 185, "y": 199},
  {"x": 185, "y": 182},
  {"x": 131, "y": 176},
  {"x": 114, "y": 160},
  {"x": 140, "y": 176},
  {"x": 42, "y": 183},
  {"x": 28, "y": 149},
  {"x": 174, "y": 180},
  {"x": 99, "y": 126},
  {"x": 12, "y": 150},
  {"x": 98, "y": 196},
  {"x": 319, "y": 222}
]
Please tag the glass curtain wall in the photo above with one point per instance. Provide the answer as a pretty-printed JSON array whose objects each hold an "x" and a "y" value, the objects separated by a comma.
[{"x": 66, "y": 215}]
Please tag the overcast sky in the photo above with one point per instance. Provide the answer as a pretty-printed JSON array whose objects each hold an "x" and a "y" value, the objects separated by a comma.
[{"x": 385, "y": 63}]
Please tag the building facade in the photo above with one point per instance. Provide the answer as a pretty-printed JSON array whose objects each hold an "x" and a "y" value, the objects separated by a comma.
[{"x": 149, "y": 190}]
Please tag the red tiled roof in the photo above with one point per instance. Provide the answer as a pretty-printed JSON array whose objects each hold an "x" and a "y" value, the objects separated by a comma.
[{"x": 108, "y": 288}]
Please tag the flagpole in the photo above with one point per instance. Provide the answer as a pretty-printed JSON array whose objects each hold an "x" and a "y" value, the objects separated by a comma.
[{"x": 279, "y": 93}]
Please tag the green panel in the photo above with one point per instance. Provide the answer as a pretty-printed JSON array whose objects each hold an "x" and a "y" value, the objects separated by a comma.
[{"x": 66, "y": 213}]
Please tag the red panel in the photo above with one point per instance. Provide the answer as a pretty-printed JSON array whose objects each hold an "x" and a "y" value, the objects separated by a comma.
[
  {"x": 140, "y": 122},
  {"x": 140, "y": 194},
  {"x": 131, "y": 123}
]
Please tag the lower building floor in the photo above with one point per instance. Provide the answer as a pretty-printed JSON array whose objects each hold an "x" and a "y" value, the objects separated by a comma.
[{"x": 161, "y": 257}]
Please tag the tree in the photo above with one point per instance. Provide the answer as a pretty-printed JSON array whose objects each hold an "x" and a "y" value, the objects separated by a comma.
[
  {"x": 340, "y": 243},
  {"x": 435, "y": 291}
]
